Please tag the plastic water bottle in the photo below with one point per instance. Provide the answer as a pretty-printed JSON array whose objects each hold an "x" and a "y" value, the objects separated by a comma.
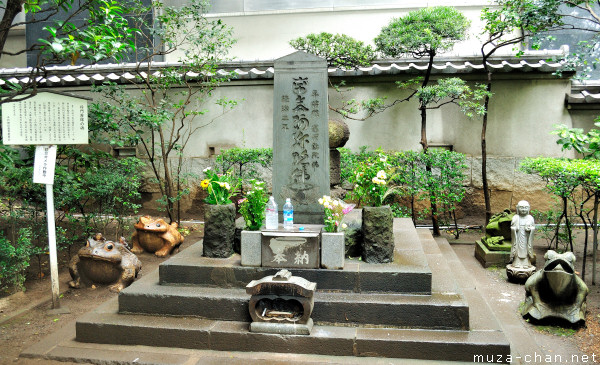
[
  {"x": 272, "y": 219},
  {"x": 288, "y": 214}
]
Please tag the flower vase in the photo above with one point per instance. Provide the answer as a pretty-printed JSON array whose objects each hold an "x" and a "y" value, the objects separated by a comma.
[
  {"x": 378, "y": 234},
  {"x": 219, "y": 230},
  {"x": 332, "y": 250}
]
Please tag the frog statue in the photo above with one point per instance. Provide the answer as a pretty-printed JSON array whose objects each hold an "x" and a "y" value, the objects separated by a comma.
[
  {"x": 556, "y": 291},
  {"x": 155, "y": 235},
  {"x": 104, "y": 262}
]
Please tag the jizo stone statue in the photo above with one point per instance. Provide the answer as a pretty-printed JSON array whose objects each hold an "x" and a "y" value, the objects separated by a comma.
[{"x": 521, "y": 254}]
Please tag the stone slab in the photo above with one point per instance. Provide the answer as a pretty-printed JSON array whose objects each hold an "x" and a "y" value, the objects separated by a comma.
[
  {"x": 489, "y": 258},
  {"x": 282, "y": 328},
  {"x": 441, "y": 310},
  {"x": 410, "y": 271},
  {"x": 324, "y": 340},
  {"x": 250, "y": 247},
  {"x": 291, "y": 248},
  {"x": 332, "y": 250}
]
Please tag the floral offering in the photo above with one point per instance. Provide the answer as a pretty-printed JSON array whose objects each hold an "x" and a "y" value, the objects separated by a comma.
[
  {"x": 335, "y": 210},
  {"x": 372, "y": 181},
  {"x": 252, "y": 207},
  {"x": 219, "y": 187}
]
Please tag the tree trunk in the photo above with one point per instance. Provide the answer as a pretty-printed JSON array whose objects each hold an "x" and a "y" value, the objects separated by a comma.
[
  {"x": 13, "y": 7},
  {"x": 595, "y": 242},
  {"x": 568, "y": 225},
  {"x": 484, "y": 180}
]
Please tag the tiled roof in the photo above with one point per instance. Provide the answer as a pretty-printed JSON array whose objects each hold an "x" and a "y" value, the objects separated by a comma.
[
  {"x": 249, "y": 70},
  {"x": 587, "y": 92}
]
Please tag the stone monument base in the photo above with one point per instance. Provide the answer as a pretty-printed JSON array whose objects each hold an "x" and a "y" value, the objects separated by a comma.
[
  {"x": 282, "y": 328},
  {"x": 519, "y": 274},
  {"x": 488, "y": 257}
]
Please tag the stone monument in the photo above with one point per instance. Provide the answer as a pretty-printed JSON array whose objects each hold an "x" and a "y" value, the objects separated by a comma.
[
  {"x": 522, "y": 228},
  {"x": 556, "y": 291},
  {"x": 300, "y": 135}
]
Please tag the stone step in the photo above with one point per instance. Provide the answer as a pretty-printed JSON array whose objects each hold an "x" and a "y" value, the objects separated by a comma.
[
  {"x": 106, "y": 326},
  {"x": 439, "y": 311},
  {"x": 408, "y": 274}
]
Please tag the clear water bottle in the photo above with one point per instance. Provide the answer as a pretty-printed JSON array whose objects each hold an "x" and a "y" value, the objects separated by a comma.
[
  {"x": 288, "y": 214},
  {"x": 272, "y": 219}
]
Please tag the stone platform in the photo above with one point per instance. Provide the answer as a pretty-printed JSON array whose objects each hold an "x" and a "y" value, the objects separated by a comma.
[
  {"x": 411, "y": 309},
  {"x": 489, "y": 258}
]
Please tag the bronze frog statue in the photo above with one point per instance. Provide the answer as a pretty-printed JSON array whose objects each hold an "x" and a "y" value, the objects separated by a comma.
[
  {"x": 155, "y": 235},
  {"x": 556, "y": 290},
  {"x": 104, "y": 262}
]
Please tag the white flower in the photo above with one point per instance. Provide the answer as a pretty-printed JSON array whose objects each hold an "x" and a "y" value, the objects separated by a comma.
[
  {"x": 344, "y": 225},
  {"x": 227, "y": 186},
  {"x": 382, "y": 158},
  {"x": 321, "y": 201},
  {"x": 207, "y": 169},
  {"x": 381, "y": 175}
]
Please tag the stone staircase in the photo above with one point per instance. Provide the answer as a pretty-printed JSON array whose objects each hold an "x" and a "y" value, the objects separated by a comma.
[{"x": 412, "y": 308}]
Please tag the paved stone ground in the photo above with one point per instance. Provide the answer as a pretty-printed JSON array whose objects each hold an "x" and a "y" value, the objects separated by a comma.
[{"x": 529, "y": 345}]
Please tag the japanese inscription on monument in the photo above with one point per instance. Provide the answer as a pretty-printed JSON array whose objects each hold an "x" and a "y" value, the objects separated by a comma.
[
  {"x": 300, "y": 135},
  {"x": 45, "y": 119}
]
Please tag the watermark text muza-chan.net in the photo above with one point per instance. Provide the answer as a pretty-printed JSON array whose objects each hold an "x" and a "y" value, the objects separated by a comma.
[{"x": 537, "y": 359}]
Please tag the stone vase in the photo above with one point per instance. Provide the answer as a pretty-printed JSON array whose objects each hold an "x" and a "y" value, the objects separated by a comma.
[
  {"x": 378, "y": 234},
  {"x": 219, "y": 230},
  {"x": 332, "y": 250}
]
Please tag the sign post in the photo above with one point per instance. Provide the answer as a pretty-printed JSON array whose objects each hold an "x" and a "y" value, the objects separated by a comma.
[{"x": 46, "y": 119}]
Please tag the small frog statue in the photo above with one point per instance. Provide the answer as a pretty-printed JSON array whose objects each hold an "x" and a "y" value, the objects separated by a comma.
[
  {"x": 155, "y": 235},
  {"x": 556, "y": 291},
  {"x": 104, "y": 262}
]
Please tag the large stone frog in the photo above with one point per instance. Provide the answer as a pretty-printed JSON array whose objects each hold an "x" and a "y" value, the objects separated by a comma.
[
  {"x": 104, "y": 262},
  {"x": 155, "y": 235},
  {"x": 556, "y": 291}
]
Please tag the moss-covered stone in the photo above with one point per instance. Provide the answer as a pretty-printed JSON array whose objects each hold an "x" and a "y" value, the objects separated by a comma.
[
  {"x": 219, "y": 230},
  {"x": 339, "y": 133},
  {"x": 378, "y": 235}
]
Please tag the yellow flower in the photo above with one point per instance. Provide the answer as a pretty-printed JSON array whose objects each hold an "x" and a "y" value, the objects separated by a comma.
[{"x": 204, "y": 183}]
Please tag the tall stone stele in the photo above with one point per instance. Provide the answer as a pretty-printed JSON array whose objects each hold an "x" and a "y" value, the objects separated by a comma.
[{"x": 300, "y": 135}]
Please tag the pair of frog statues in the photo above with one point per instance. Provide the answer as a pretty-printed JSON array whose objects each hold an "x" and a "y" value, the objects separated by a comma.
[{"x": 103, "y": 261}]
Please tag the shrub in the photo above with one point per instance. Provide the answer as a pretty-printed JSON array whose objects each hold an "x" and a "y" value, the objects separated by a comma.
[
  {"x": 252, "y": 207},
  {"x": 14, "y": 260},
  {"x": 243, "y": 163}
]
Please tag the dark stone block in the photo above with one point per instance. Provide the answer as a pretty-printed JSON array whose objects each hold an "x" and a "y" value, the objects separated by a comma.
[
  {"x": 335, "y": 177},
  {"x": 378, "y": 235},
  {"x": 219, "y": 230}
]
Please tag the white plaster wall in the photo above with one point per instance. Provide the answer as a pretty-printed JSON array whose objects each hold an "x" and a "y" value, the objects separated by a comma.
[
  {"x": 522, "y": 115},
  {"x": 14, "y": 43},
  {"x": 265, "y": 35}
]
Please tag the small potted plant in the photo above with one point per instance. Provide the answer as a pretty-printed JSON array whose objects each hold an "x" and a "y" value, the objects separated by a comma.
[
  {"x": 252, "y": 208},
  {"x": 371, "y": 189},
  {"x": 332, "y": 238},
  {"x": 219, "y": 214}
]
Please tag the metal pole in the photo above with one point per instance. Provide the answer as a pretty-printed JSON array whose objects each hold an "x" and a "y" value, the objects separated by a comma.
[{"x": 52, "y": 245}]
